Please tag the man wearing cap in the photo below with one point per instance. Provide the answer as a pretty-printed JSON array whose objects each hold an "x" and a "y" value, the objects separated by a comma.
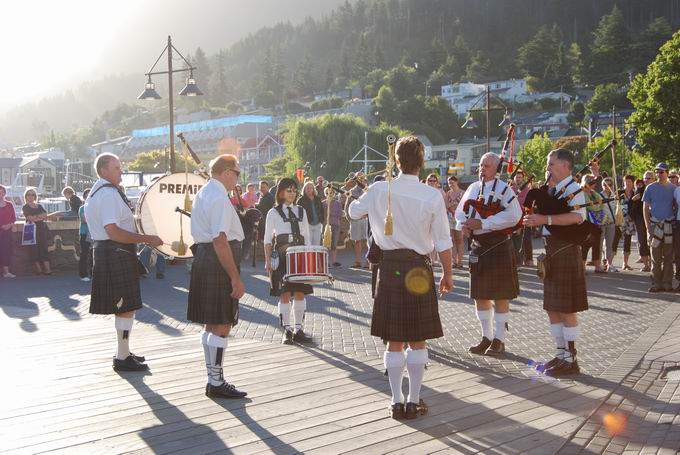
[{"x": 658, "y": 212}]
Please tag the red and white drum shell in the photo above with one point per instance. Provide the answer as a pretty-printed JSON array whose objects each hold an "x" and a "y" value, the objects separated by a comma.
[{"x": 307, "y": 264}]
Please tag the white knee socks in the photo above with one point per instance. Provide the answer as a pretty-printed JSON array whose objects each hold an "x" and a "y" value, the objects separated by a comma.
[
  {"x": 123, "y": 329},
  {"x": 284, "y": 315},
  {"x": 415, "y": 364},
  {"x": 501, "y": 320},
  {"x": 485, "y": 320},
  {"x": 558, "y": 336},
  {"x": 213, "y": 348},
  {"x": 299, "y": 308},
  {"x": 394, "y": 363}
]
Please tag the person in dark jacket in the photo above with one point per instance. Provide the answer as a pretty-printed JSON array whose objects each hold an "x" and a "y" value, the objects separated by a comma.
[{"x": 311, "y": 202}]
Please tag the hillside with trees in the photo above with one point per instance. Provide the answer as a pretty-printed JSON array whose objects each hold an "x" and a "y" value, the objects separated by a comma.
[{"x": 399, "y": 52}]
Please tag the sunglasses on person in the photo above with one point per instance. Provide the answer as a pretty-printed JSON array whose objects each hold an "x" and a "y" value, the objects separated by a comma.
[
  {"x": 432, "y": 181},
  {"x": 659, "y": 171},
  {"x": 291, "y": 190},
  {"x": 236, "y": 171}
]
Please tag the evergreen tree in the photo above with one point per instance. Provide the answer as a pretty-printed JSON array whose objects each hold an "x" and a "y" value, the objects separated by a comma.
[
  {"x": 575, "y": 63},
  {"x": 378, "y": 57},
  {"x": 218, "y": 83},
  {"x": 609, "y": 49},
  {"x": 203, "y": 71},
  {"x": 480, "y": 69},
  {"x": 363, "y": 61},
  {"x": 436, "y": 56},
  {"x": 647, "y": 45},
  {"x": 303, "y": 81}
]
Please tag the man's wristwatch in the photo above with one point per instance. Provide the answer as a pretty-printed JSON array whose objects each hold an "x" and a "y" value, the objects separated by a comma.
[{"x": 549, "y": 220}]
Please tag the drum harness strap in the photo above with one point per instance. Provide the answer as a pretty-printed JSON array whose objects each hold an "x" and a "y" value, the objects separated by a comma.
[
  {"x": 120, "y": 193},
  {"x": 294, "y": 221}
]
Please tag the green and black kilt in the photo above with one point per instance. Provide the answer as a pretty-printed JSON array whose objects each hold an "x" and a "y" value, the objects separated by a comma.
[
  {"x": 115, "y": 278},
  {"x": 565, "y": 287},
  {"x": 399, "y": 313},
  {"x": 210, "y": 300},
  {"x": 494, "y": 275}
]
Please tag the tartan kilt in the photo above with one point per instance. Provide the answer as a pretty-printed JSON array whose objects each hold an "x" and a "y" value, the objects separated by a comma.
[
  {"x": 494, "y": 276},
  {"x": 565, "y": 287},
  {"x": 210, "y": 300},
  {"x": 115, "y": 278},
  {"x": 399, "y": 314}
]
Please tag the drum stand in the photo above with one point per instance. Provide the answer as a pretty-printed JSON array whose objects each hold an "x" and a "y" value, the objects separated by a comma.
[{"x": 256, "y": 233}]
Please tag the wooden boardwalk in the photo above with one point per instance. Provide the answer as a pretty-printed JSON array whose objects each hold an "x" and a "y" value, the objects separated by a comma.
[{"x": 61, "y": 395}]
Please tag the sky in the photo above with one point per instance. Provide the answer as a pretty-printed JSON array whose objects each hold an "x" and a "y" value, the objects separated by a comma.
[{"x": 49, "y": 46}]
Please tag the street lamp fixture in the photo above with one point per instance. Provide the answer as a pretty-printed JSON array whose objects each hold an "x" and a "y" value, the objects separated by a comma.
[
  {"x": 470, "y": 123},
  {"x": 190, "y": 89},
  {"x": 149, "y": 92}
]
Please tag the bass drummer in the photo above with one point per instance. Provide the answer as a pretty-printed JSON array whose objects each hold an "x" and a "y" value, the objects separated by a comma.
[{"x": 286, "y": 226}]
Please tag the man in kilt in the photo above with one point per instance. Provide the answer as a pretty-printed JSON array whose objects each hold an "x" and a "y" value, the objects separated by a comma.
[
  {"x": 216, "y": 285},
  {"x": 565, "y": 291},
  {"x": 487, "y": 213},
  {"x": 405, "y": 307},
  {"x": 115, "y": 273}
]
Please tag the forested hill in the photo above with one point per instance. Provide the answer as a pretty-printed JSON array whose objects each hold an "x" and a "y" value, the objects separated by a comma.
[
  {"x": 366, "y": 34},
  {"x": 554, "y": 43}
]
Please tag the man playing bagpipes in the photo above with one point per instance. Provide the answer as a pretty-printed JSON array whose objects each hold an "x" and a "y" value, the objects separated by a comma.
[
  {"x": 560, "y": 209},
  {"x": 488, "y": 214}
]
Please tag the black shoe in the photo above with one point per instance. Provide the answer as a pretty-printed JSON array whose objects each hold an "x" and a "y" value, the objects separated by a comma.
[
  {"x": 543, "y": 367},
  {"x": 655, "y": 289},
  {"x": 225, "y": 390},
  {"x": 413, "y": 410},
  {"x": 481, "y": 348},
  {"x": 160, "y": 276},
  {"x": 397, "y": 411},
  {"x": 287, "y": 337},
  {"x": 497, "y": 348},
  {"x": 129, "y": 364},
  {"x": 138, "y": 358},
  {"x": 336, "y": 264},
  {"x": 300, "y": 337},
  {"x": 563, "y": 368}
]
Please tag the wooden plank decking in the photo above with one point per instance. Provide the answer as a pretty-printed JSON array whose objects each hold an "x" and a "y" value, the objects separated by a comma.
[{"x": 61, "y": 395}]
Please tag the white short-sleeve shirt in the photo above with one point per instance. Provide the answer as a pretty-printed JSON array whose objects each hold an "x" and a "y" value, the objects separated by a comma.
[
  {"x": 275, "y": 225},
  {"x": 214, "y": 213},
  {"x": 105, "y": 207}
]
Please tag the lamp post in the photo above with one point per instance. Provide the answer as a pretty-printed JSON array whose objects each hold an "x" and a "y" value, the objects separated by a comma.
[
  {"x": 470, "y": 122},
  {"x": 190, "y": 89}
]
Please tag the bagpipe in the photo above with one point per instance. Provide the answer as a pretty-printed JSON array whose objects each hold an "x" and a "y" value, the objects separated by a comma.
[
  {"x": 494, "y": 203},
  {"x": 539, "y": 200}
]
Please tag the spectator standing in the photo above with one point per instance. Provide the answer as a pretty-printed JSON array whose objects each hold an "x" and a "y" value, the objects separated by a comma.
[
  {"x": 358, "y": 229},
  {"x": 7, "y": 219},
  {"x": 251, "y": 197},
  {"x": 433, "y": 181},
  {"x": 628, "y": 228},
  {"x": 74, "y": 201},
  {"x": 452, "y": 199},
  {"x": 85, "y": 259},
  {"x": 145, "y": 257},
  {"x": 609, "y": 227},
  {"x": 334, "y": 222},
  {"x": 35, "y": 213},
  {"x": 320, "y": 187},
  {"x": 676, "y": 238},
  {"x": 596, "y": 215},
  {"x": 311, "y": 202},
  {"x": 637, "y": 214},
  {"x": 658, "y": 210}
]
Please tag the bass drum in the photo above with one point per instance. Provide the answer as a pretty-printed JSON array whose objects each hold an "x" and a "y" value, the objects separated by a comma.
[{"x": 155, "y": 213}]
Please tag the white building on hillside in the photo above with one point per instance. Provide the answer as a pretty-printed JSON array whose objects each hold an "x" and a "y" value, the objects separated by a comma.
[{"x": 463, "y": 95}]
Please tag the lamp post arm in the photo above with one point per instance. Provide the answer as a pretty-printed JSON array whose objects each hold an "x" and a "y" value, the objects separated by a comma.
[
  {"x": 180, "y": 54},
  {"x": 183, "y": 70}
]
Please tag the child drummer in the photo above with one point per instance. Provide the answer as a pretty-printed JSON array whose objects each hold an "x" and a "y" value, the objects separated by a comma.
[{"x": 286, "y": 225}]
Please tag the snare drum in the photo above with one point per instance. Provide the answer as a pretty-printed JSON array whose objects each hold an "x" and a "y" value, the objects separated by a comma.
[
  {"x": 307, "y": 264},
  {"x": 155, "y": 213}
]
